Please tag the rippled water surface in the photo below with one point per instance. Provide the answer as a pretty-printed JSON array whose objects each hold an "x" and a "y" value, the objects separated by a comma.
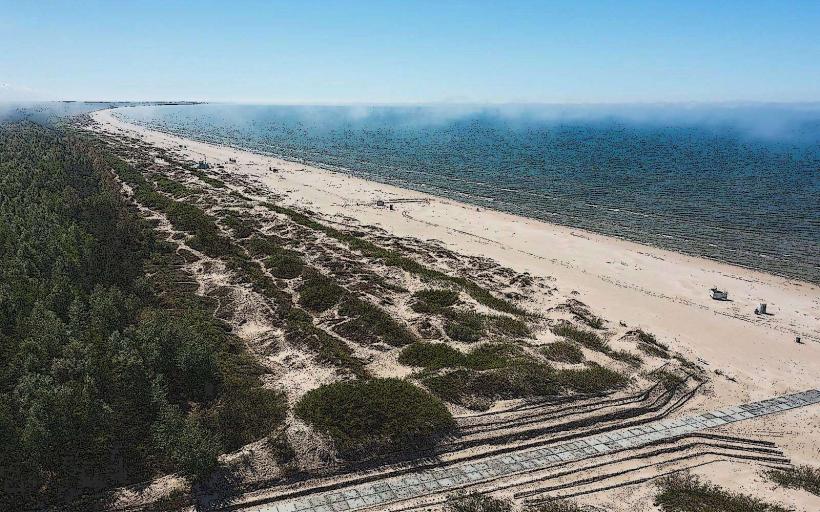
[{"x": 738, "y": 184}]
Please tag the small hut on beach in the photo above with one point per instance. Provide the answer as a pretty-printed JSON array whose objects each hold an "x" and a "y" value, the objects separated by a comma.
[{"x": 718, "y": 294}]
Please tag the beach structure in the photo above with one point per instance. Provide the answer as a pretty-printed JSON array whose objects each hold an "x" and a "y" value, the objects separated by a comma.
[
  {"x": 203, "y": 164},
  {"x": 760, "y": 309},
  {"x": 718, "y": 294},
  {"x": 379, "y": 203}
]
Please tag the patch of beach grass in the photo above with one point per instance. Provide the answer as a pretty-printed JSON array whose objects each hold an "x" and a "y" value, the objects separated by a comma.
[
  {"x": 488, "y": 356},
  {"x": 652, "y": 350},
  {"x": 202, "y": 175},
  {"x": 470, "y": 326},
  {"x": 507, "y": 326},
  {"x": 478, "y": 389},
  {"x": 592, "y": 379},
  {"x": 260, "y": 246},
  {"x": 625, "y": 357},
  {"x": 563, "y": 351},
  {"x": 171, "y": 187},
  {"x": 206, "y": 235},
  {"x": 586, "y": 338},
  {"x": 477, "y": 503},
  {"x": 649, "y": 345},
  {"x": 683, "y": 492},
  {"x": 300, "y": 331},
  {"x": 242, "y": 226},
  {"x": 516, "y": 376},
  {"x": 467, "y": 327},
  {"x": 431, "y": 356},
  {"x": 667, "y": 378},
  {"x": 806, "y": 478},
  {"x": 369, "y": 323},
  {"x": 434, "y": 356}
]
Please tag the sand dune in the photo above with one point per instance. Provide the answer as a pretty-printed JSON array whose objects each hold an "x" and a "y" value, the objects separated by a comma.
[{"x": 751, "y": 357}]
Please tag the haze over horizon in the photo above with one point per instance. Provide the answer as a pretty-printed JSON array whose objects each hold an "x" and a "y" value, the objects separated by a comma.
[{"x": 411, "y": 52}]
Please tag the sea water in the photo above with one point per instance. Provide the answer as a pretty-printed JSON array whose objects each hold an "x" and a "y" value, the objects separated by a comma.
[{"x": 739, "y": 184}]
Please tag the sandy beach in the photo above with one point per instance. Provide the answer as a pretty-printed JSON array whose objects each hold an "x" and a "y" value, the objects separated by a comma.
[{"x": 749, "y": 356}]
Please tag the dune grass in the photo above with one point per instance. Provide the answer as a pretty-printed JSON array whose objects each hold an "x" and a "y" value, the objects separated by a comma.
[
  {"x": 431, "y": 356},
  {"x": 594, "y": 341},
  {"x": 563, "y": 351},
  {"x": 517, "y": 376},
  {"x": 470, "y": 326},
  {"x": 683, "y": 492},
  {"x": 369, "y": 323},
  {"x": 434, "y": 356},
  {"x": 806, "y": 478},
  {"x": 586, "y": 338},
  {"x": 467, "y": 327},
  {"x": 300, "y": 331},
  {"x": 649, "y": 345},
  {"x": 592, "y": 379},
  {"x": 625, "y": 357},
  {"x": 477, "y": 503}
]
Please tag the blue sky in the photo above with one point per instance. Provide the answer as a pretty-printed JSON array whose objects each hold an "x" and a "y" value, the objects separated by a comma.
[{"x": 411, "y": 51}]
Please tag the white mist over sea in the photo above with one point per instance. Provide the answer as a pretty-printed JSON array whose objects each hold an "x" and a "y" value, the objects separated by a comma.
[{"x": 738, "y": 183}]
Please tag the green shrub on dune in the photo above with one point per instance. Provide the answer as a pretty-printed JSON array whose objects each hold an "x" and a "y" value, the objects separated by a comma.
[
  {"x": 434, "y": 356},
  {"x": 319, "y": 293},
  {"x": 507, "y": 326},
  {"x": 431, "y": 355},
  {"x": 493, "y": 355},
  {"x": 466, "y": 327},
  {"x": 285, "y": 264},
  {"x": 376, "y": 417},
  {"x": 300, "y": 331}
]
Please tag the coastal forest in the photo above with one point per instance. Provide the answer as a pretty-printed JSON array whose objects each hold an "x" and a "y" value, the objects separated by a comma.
[{"x": 111, "y": 369}]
